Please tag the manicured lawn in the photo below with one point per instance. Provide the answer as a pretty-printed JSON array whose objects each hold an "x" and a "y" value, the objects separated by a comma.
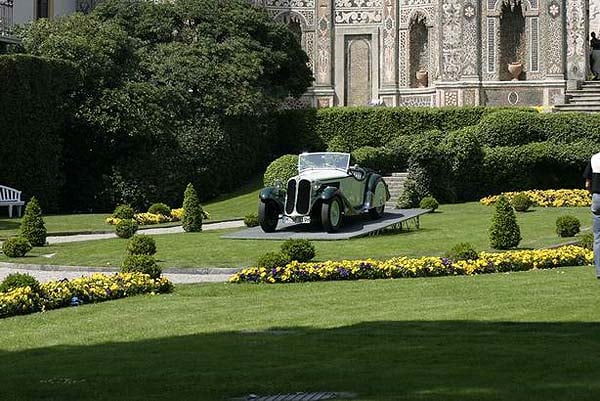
[
  {"x": 529, "y": 336},
  {"x": 439, "y": 232},
  {"x": 231, "y": 206}
]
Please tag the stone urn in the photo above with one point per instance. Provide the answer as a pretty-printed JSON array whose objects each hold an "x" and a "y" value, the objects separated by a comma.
[
  {"x": 515, "y": 70},
  {"x": 422, "y": 78}
]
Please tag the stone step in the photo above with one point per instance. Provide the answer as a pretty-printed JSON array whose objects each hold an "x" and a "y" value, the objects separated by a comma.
[
  {"x": 585, "y": 102},
  {"x": 577, "y": 108},
  {"x": 586, "y": 94},
  {"x": 403, "y": 174}
]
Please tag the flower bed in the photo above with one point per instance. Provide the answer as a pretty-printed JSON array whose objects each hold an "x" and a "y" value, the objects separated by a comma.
[
  {"x": 96, "y": 288},
  {"x": 548, "y": 198},
  {"x": 402, "y": 267},
  {"x": 145, "y": 219}
]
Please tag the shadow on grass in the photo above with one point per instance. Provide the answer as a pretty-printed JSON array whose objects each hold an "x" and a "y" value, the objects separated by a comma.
[
  {"x": 379, "y": 361},
  {"x": 6, "y": 224}
]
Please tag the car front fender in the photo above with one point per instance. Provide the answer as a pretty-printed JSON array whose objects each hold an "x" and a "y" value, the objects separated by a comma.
[{"x": 273, "y": 194}]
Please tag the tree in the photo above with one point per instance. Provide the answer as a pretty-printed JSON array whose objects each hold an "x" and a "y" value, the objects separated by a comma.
[
  {"x": 164, "y": 85},
  {"x": 32, "y": 225},
  {"x": 504, "y": 231},
  {"x": 192, "y": 210}
]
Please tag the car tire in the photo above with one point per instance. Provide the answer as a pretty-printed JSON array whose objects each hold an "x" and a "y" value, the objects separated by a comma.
[
  {"x": 377, "y": 212},
  {"x": 332, "y": 214},
  {"x": 268, "y": 216}
]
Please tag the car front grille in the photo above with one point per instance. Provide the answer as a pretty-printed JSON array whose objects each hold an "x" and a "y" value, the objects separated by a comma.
[
  {"x": 291, "y": 196},
  {"x": 303, "y": 202}
]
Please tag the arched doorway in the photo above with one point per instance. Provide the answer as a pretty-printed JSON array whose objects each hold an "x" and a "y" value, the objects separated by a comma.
[
  {"x": 513, "y": 42},
  {"x": 358, "y": 70},
  {"x": 418, "y": 57}
]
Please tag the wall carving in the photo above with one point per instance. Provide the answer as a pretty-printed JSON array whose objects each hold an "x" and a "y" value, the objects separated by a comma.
[
  {"x": 309, "y": 48},
  {"x": 417, "y": 101},
  {"x": 323, "y": 61},
  {"x": 576, "y": 59},
  {"x": 402, "y": 45},
  {"x": 389, "y": 42},
  {"x": 553, "y": 34},
  {"x": 290, "y": 3},
  {"x": 451, "y": 98},
  {"x": 451, "y": 40},
  {"x": 470, "y": 38},
  {"x": 470, "y": 97},
  {"x": 358, "y": 11}
]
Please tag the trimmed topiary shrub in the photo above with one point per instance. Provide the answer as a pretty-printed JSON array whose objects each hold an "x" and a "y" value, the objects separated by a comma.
[
  {"x": 271, "y": 260},
  {"x": 281, "y": 169},
  {"x": 126, "y": 228},
  {"x": 16, "y": 247},
  {"x": 19, "y": 280},
  {"x": 143, "y": 264},
  {"x": 251, "y": 220},
  {"x": 141, "y": 244},
  {"x": 521, "y": 202},
  {"x": 504, "y": 230},
  {"x": 510, "y": 128},
  {"x": 192, "y": 210},
  {"x": 32, "y": 225},
  {"x": 124, "y": 212},
  {"x": 567, "y": 226},
  {"x": 462, "y": 251},
  {"x": 587, "y": 241},
  {"x": 429, "y": 202},
  {"x": 160, "y": 208},
  {"x": 301, "y": 250}
]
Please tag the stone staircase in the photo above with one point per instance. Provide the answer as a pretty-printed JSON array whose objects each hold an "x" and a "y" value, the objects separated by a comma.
[
  {"x": 586, "y": 99},
  {"x": 395, "y": 184}
]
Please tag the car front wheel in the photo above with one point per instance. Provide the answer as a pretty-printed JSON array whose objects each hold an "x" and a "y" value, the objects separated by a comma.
[
  {"x": 268, "y": 216},
  {"x": 331, "y": 215}
]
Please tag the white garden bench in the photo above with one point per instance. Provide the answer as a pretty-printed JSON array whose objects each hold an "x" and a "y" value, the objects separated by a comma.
[{"x": 11, "y": 197}]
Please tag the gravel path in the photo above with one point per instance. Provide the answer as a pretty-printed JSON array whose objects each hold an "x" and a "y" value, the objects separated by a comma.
[
  {"x": 178, "y": 276},
  {"x": 150, "y": 231}
]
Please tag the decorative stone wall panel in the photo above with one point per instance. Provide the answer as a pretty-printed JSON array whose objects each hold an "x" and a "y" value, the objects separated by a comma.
[
  {"x": 402, "y": 55},
  {"x": 576, "y": 39},
  {"x": 451, "y": 98},
  {"x": 470, "y": 39},
  {"x": 417, "y": 100},
  {"x": 389, "y": 42},
  {"x": 348, "y": 12},
  {"x": 516, "y": 96},
  {"x": 451, "y": 40}
]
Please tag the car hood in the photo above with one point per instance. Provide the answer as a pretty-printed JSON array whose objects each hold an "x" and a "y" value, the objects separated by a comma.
[{"x": 322, "y": 174}]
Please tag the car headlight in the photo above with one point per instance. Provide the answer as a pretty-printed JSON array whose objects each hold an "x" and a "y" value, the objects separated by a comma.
[
  {"x": 278, "y": 184},
  {"x": 316, "y": 185}
]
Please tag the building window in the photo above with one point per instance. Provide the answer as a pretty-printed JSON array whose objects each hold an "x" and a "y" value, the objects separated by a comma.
[{"x": 42, "y": 9}]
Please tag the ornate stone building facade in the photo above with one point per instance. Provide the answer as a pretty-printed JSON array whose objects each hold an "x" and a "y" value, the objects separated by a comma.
[{"x": 441, "y": 52}]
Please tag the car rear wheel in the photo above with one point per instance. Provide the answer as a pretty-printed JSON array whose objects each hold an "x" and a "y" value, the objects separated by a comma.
[
  {"x": 268, "y": 216},
  {"x": 377, "y": 212},
  {"x": 331, "y": 215}
]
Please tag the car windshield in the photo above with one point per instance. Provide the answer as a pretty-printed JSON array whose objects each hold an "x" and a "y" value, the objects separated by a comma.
[{"x": 323, "y": 160}]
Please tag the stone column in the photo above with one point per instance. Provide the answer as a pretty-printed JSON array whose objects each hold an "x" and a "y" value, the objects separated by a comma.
[
  {"x": 553, "y": 35},
  {"x": 389, "y": 58},
  {"x": 577, "y": 42},
  {"x": 323, "y": 87}
]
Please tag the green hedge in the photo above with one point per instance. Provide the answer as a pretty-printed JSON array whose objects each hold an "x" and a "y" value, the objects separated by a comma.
[{"x": 34, "y": 94}]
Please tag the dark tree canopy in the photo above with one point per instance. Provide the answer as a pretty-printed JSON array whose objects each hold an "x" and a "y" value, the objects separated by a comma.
[{"x": 161, "y": 85}]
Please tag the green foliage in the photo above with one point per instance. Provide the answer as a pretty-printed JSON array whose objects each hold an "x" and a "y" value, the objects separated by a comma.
[
  {"x": 141, "y": 244},
  {"x": 251, "y": 220},
  {"x": 504, "y": 230},
  {"x": 587, "y": 241},
  {"x": 296, "y": 131},
  {"x": 36, "y": 93},
  {"x": 411, "y": 194},
  {"x": 510, "y": 128},
  {"x": 349, "y": 128},
  {"x": 143, "y": 264},
  {"x": 381, "y": 159},
  {"x": 466, "y": 155},
  {"x": 19, "y": 280},
  {"x": 298, "y": 249},
  {"x": 192, "y": 210},
  {"x": 462, "y": 251},
  {"x": 271, "y": 260},
  {"x": 126, "y": 228},
  {"x": 429, "y": 202},
  {"x": 567, "y": 226},
  {"x": 160, "y": 208},
  {"x": 124, "y": 212},
  {"x": 172, "y": 93},
  {"x": 32, "y": 224},
  {"x": 282, "y": 169},
  {"x": 521, "y": 202},
  {"x": 16, "y": 247}
]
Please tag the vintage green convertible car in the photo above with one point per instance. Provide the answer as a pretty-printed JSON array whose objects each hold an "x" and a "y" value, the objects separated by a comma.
[{"x": 325, "y": 190}]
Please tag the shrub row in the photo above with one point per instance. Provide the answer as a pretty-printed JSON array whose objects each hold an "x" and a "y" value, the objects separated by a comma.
[
  {"x": 403, "y": 267},
  {"x": 459, "y": 168},
  {"x": 547, "y": 198},
  {"x": 96, "y": 288},
  {"x": 36, "y": 102}
]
